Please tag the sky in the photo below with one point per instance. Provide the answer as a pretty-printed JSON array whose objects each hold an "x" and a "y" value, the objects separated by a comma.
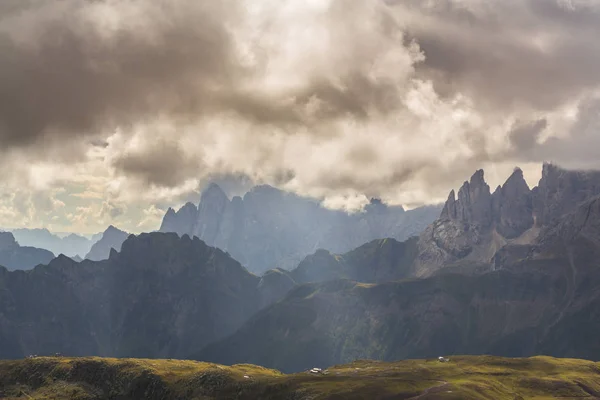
[{"x": 113, "y": 110}]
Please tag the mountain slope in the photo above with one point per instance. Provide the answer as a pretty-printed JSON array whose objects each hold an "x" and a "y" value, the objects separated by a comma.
[
  {"x": 13, "y": 256},
  {"x": 466, "y": 378},
  {"x": 112, "y": 238},
  {"x": 269, "y": 228},
  {"x": 378, "y": 261},
  {"x": 159, "y": 297}
]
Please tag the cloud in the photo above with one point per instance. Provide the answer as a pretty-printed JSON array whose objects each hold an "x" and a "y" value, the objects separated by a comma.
[
  {"x": 152, "y": 218},
  {"x": 111, "y": 210},
  {"x": 159, "y": 162},
  {"x": 143, "y": 102},
  {"x": 510, "y": 54}
]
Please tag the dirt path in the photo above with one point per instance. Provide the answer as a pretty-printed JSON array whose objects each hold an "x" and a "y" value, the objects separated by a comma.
[{"x": 442, "y": 387}]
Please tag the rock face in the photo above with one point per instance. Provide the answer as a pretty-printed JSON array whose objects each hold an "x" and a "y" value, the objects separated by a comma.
[
  {"x": 379, "y": 261},
  {"x": 512, "y": 207},
  {"x": 180, "y": 222},
  {"x": 559, "y": 191},
  {"x": 210, "y": 213},
  {"x": 269, "y": 228},
  {"x": 14, "y": 257},
  {"x": 112, "y": 238},
  {"x": 477, "y": 224},
  {"x": 161, "y": 296}
]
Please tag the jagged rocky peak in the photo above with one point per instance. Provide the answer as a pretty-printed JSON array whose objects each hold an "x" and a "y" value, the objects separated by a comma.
[
  {"x": 550, "y": 170},
  {"x": 112, "y": 229},
  {"x": 449, "y": 210},
  {"x": 213, "y": 191},
  {"x": 212, "y": 206},
  {"x": 509, "y": 209},
  {"x": 112, "y": 238},
  {"x": 474, "y": 202},
  {"x": 7, "y": 241},
  {"x": 181, "y": 221},
  {"x": 513, "y": 206},
  {"x": 516, "y": 182}
]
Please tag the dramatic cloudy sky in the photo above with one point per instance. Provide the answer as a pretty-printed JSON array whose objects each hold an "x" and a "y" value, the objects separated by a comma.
[{"x": 113, "y": 110}]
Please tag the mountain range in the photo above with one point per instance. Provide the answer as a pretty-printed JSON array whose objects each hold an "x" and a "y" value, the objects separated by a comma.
[
  {"x": 268, "y": 228},
  {"x": 14, "y": 256},
  {"x": 497, "y": 282},
  {"x": 70, "y": 245},
  {"x": 511, "y": 273},
  {"x": 160, "y": 296},
  {"x": 111, "y": 238}
]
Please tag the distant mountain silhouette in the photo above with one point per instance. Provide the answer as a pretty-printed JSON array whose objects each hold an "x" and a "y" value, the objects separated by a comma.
[
  {"x": 13, "y": 256},
  {"x": 69, "y": 245},
  {"x": 160, "y": 296},
  {"x": 269, "y": 228},
  {"x": 514, "y": 274},
  {"x": 112, "y": 238}
]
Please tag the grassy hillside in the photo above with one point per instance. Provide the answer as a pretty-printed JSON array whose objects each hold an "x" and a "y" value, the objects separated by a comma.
[{"x": 477, "y": 377}]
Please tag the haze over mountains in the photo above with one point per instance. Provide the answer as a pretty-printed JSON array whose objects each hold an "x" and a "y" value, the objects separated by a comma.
[
  {"x": 14, "y": 256},
  {"x": 112, "y": 238},
  {"x": 269, "y": 228},
  {"x": 69, "y": 245},
  {"x": 531, "y": 294},
  {"x": 510, "y": 273},
  {"x": 296, "y": 184}
]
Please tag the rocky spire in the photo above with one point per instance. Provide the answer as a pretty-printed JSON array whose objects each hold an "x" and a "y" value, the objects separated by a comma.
[
  {"x": 212, "y": 206},
  {"x": 474, "y": 203},
  {"x": 513, "y": 206},
  {"x": 181, "y": 222},
  {"x": 449, "y": 211}
]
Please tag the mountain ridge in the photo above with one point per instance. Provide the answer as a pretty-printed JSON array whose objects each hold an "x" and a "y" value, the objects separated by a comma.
[
  {"x": 268, "y": 228},
  {"x": 70, "y": 245},
  {"x": 534, "y": 296},
  {"x": 13, "y": 256},
  {"x": 477, "y": 223},
  {"x": 159, "y": 296},
  {"x": 464, "y": 377},
  {"x": 112, "y": 238}
]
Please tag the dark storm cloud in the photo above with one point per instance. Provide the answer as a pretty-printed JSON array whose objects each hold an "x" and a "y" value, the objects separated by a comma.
[
  {"x": 577, "y": 148},
  {"x": 161, "y": 162},
  {"x": 64, "y": 75},
  {"x": 526, "y": 53},
  {"x": 524, "y": 136},
  {"x": 501, "y": 71},
  {"x": 111, "y": 210}
]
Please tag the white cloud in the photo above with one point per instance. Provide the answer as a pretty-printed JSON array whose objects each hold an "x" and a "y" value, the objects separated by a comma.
[{"x": 334, "y": 99}]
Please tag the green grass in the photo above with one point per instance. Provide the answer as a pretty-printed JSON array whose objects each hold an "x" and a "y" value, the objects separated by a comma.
[{"x": 473, "y": 377}]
